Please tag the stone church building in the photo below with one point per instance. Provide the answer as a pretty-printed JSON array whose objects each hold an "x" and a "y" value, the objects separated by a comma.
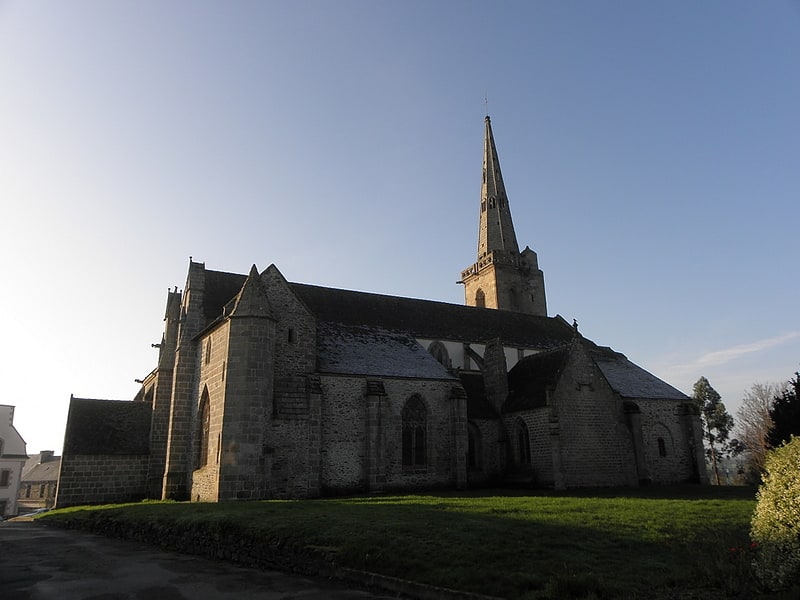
[{"x": 270, "y": 389}]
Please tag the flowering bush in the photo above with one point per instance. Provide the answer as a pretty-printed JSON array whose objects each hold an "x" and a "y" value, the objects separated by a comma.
[{"x": 775, "y": 527}]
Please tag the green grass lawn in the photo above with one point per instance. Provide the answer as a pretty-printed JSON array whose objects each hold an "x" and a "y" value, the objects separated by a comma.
[{"x": 644, "y": 543}]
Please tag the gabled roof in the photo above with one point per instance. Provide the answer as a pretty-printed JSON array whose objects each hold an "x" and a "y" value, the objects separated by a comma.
[
  {"x": 361, "y": 350},
  {"x": 433, "y": 320},
  {"x": 630, "y": 380}
]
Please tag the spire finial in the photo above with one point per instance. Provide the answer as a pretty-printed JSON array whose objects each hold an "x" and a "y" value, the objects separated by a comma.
[{"x": 486, "y": 105}]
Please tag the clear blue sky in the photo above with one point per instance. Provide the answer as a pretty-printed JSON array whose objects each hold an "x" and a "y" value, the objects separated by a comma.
[{"x": 651, "y": 152}]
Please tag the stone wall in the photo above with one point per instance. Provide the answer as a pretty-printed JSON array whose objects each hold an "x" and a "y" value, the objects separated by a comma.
[
  {"x": 673, "y": 462},
  {"x": 542, "y": 428},
  {"x": 101, "y": 479},
  {"x": 491, "y": 464},
  {"x": 344, "y": 461},
  {"x": 596, "y": 447}
]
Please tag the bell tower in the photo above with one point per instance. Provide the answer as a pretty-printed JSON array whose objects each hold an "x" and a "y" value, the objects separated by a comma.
[{"x": 503, "y": 277}]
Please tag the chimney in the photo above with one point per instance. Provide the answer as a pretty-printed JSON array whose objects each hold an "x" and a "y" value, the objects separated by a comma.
[{"x": 45, "y": 456}]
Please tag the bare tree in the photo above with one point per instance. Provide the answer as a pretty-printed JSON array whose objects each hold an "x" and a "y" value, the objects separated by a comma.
[{"x": 754, "y": 423}]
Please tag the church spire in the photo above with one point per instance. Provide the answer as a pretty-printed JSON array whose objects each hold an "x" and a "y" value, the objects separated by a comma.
[
  {"x": 496, "y": 230},
  {"x": 503, "y": 277}
]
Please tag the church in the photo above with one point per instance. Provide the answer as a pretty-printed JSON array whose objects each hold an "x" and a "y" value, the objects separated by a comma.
[{"x": 266, "y": 388}]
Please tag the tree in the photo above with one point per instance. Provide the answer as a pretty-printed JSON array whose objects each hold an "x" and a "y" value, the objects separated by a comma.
[
  {"x": 717, "y": 423},
  {"x": 785, "y": 414},
  {"x": 754, "y": 424}
]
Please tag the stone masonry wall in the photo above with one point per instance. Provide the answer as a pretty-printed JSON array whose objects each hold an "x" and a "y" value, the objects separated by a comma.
[
  {"x": 296, "y": 331},
  {"x": 248, "y": 396},
  {"x": 540, "y": 430},
  {"x": 662, "y": 419},
  {"x": 101, "y": 478},
  {"x": 344, "y": 412},
  {"x": 213, "y": 348},
  {"x": 490, "y": 465},
  {"x": 595, "y": 442},
  {"x": 177, "y": 484}
]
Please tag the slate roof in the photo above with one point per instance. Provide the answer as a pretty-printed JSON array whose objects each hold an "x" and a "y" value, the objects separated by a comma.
[
  {"x": 107, "y": 427},
  {"x": 529, "y": 379},
  {"x": 360, "y": 350},
  {"x": 421, "y": 318},
  {"x": 46, "y": 471},
  {"x": 220, "y": 288},
  {"x": 478, "y": 407},
  {"x": 630, "y": 380},
  {"x": 373, "y": 334},
  {"x": 431, "y": 319}
]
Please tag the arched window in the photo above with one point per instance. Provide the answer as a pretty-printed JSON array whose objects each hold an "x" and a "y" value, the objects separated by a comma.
[
  {"x": 204, "y": 429},
  {"x": 473, "y": 446},
  {"x": 512, "y": 298},
  {"x": 480, "y": 299},
  {"x": 662, "y": 447},
  {"x": 208, "y": 350},
  {"x": 662, "y": 437},
  {"x": 523, "y": 443},
  {"x": 415, "y": 425},
  {"x": 439, "y": 351}
]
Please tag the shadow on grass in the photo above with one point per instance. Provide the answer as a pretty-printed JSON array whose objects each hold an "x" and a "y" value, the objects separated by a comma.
[{"x": 511, "y": 545}]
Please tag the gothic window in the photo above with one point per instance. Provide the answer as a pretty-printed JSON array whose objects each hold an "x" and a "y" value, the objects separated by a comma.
[
  {"x": 512, "y": 298},
  {"x": 523, "y": 443},
  {"x": 204, "y": 429},
  {"x": 492, "y": 202},
  {"x": 480, "y": 299},
  {"x": 208, "y": 350},
  {"x": 439, "y": 352},
  {"x": 415, "y": 425},
  {"x": 662, "y": 447},
  {"x": 473, "y": 446},
  {"x": 483, "y": 205}
]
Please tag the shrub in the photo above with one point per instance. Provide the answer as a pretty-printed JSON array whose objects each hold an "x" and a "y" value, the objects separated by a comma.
[{"x": 775, "y": 527}]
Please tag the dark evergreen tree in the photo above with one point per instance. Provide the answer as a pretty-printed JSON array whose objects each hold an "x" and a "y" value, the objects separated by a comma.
[{"x": 785, "y": 414}]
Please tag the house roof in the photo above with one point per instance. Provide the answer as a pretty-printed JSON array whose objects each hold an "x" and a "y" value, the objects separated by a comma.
[
  {"x": 46, "y": 471},
  {"x": 220, "y": 288},
  {"x": 431, "y": 319},
  {"x": 107, "y": 427},
  {"x": 361, "y": 350},
  {"x": 630, "y": 380},
  {"x": 478, "y": 406},
  {"x": 530, "y": 378},
  {"x": 373, "y": 334},
  {"x": 420, "y": 318}
]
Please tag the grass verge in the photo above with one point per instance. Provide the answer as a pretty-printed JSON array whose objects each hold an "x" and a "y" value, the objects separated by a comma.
[{"x": 685, "y": 542}]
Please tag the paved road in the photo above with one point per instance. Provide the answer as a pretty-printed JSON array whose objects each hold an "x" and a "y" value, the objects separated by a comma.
[{"x": 38, "y": 562}]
